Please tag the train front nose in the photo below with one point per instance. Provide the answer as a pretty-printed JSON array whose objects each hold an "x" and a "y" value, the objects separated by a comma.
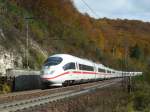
[
  {"x": 45, "y": 82},
  {"x": 45, "y": 78}
]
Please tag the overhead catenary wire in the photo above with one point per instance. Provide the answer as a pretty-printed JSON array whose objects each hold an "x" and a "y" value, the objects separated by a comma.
[{"x": 88, "y": 6}]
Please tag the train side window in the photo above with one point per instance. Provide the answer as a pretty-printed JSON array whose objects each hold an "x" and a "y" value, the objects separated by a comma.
[
  {"x": 69, "y": 66},
  {"x": 86, "y": 67},
  {"x": 101, "y": 70},
  {"x": 108, "y": 71}
]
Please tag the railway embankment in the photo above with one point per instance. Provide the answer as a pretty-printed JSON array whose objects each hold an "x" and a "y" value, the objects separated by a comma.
[
  {"x": 107, "y": 99},
  {"x": 42, "y": 99},
  {"x": 114, "y": 98}
]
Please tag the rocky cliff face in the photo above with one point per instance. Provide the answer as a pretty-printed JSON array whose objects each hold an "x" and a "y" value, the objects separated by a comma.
[
  {"x": 13, "y": 54},
  {"x": 9, "y": 60},
  {"x": 6, "y": 58},
  {"x": 13, "y": 45}
]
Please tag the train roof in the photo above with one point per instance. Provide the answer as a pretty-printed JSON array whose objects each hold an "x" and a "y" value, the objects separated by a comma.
[
  {"x": 69, "y": 57},
  {"x": 73, "y": 58}
]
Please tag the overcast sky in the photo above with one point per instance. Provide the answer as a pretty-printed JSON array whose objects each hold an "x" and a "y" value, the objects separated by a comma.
[{"x": 129, "y": 9}]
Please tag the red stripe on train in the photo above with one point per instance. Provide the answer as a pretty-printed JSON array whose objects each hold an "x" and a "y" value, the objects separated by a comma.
[
  {"x": 76, "y": 72},
  {"x": 58, "y": 75}
]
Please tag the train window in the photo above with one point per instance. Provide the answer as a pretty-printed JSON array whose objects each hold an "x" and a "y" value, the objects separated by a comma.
[
  {"x": 53, "y": 61},
  {"x": 86, "y": 67},
  {"x": 69, "y": 66},
  {"x": 101, "y": 70},
  {"x": 108, "y": 71}
]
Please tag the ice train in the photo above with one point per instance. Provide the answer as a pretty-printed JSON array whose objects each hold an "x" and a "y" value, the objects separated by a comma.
[{"x": 65, "y": 69}]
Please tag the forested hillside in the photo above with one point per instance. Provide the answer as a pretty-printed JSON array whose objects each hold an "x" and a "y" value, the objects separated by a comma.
[
  {"x": 104, "y": 40},
  {"x": 57, "y": 27}
]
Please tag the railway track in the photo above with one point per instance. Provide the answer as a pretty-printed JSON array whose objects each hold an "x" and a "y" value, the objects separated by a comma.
[
  {"x": 4, "y": 98},
  {"x": 52, "y": 95}
]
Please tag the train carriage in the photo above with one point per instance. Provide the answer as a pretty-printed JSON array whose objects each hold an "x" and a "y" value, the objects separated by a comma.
[{"x": 64, "y": 69}]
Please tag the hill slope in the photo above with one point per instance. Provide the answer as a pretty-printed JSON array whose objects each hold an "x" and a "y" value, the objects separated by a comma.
[{"x": 57, "y": 27}]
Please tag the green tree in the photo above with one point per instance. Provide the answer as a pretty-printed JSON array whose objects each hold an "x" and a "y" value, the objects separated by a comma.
[{"x": 135, "y": 52}]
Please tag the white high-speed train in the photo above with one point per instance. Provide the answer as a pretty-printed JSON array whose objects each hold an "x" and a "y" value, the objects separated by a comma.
[{"x": 65, "y": 69}]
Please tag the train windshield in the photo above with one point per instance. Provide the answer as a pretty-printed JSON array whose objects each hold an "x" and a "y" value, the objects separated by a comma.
[{"x": 52, "y": 61}]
